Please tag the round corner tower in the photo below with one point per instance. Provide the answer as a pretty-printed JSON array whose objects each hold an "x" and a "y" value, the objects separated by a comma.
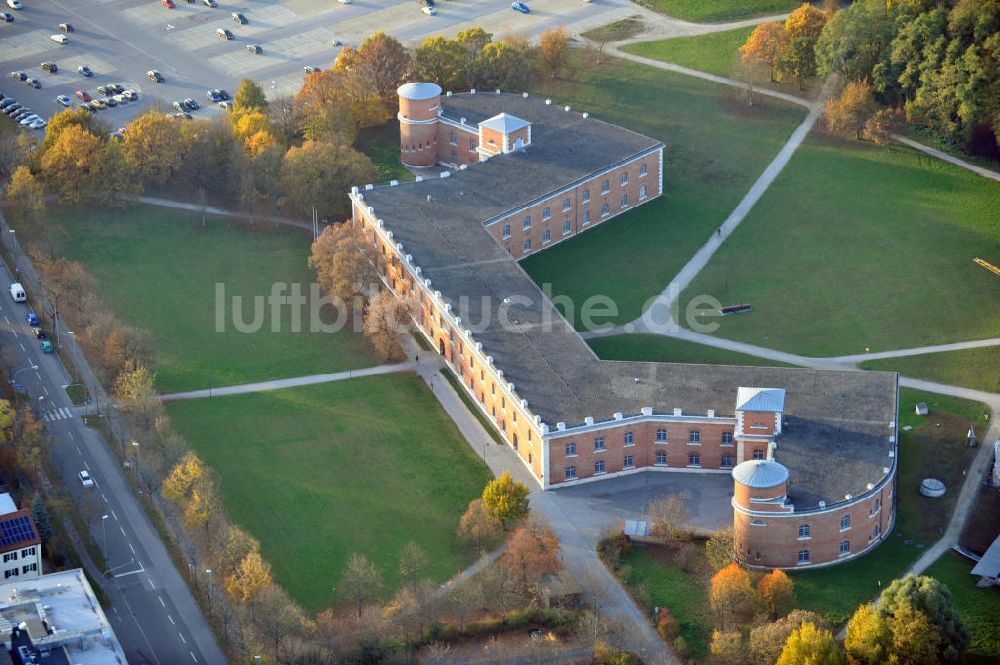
[
  {"x": 760, "y": 487},
  {"x": 419, "y": 104}
]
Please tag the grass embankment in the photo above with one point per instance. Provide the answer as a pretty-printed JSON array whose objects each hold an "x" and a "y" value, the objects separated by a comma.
[
  {"x": 320, "y": 472},
  {"x": 876, "y": 248},
  {"x": 159, "y": 269},
  {"x": 714, "y": 149}
]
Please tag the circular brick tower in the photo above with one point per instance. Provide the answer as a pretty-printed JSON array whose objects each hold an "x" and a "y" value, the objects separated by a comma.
[
  {"x": 418, "y": 123},
  {"x": 759, "y": 491}
]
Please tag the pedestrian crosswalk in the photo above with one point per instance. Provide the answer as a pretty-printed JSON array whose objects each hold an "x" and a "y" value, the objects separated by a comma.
[{"x": 57, "y": 414}]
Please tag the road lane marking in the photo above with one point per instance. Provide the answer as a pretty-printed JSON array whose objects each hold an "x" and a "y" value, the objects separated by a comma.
[
  {"x": 86, "y": 466},
  {"x": 149, "y": 579},
  {"x": 131, "y": 548},
  {"x": 122, "y": 530},
  {"x": 22, "y": 347},
  {"x": 44, "y": 387},
  {"x": 171, "y": 620},
  {"x": 104, "y": 497},
  {"x": 160, "y": 598},
  {"x": 192, "y": 656},
  {"x": 182, "y": 638},
  {"x": 78, "y": 452},
  {"x": 114, "y": 515}
]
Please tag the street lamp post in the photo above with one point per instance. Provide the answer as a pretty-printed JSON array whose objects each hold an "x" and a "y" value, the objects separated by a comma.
[
  {"x": 104, "y": 528},
  {"x": 17, "y": 265},
  {"x": 76, "y": 371},
  {"x": 138, "y": 471},
  {"x": 211, "y": 590}
]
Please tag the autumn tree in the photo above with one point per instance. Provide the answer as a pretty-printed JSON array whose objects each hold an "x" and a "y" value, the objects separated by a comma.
[
  {"x": 797, "y": 59},
  {"x": 319, "y": 173},
  {"x": 496, "y": 589},
  {"x": 323, "y": 109},
  {"x": 377, "y": 67},
  {"x": 776, "y": 592},
  {"x": 413, "y": 563},
  {"x": 178, "y": 483},
  {"x": 809, "y": 645},
  {"x": 117, "y": 181},
  {"x": 880, "y": 127},
  {"x": 730, "y": 595},
  {"x": 532, "y": 553},
  {"x": 867, "y": 637},
  {"x": 249, "y": 97},
  {"x": 152, "y": 146},
  {"x": 919, "y": 612},
  {"x": 78, "y": 117},
  {"x": 505, "y": 499},
  {"x": 442, "y": 61},
  {"x": 346, "y": 264},
  {"x": 503, "y": 64},
  {"x": 478, "y": 525},
  {"x": 69, "y": 166},
  {"x": 25, "y": 200},
  {"x": 719, "y": 548},
  {"x": 764, "y": 45},
  {"x": 278, "y": 620},
  {"x": 767, "y": 640},
  {"x": 361, "y": 581},
  {"x": 553, "y": 51},
  {"x": 231, "y": 548},
  {"x": 384, "y": 319},
  {"x": 848, "y": 113},
  {"x": 134, "y": 391},
  {"x": 727, "y": 646},
  {"x": 473, "y": 41},
  {"x": 669, "y": 517},
  {"x": 251, "y": 576}
]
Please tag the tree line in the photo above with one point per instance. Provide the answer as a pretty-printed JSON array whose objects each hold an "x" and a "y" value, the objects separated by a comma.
[{"x": 933, "y": 63}]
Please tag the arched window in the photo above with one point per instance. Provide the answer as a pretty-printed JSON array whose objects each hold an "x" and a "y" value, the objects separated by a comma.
[
  {"x": 804, "y": 531},
  {"x": 803, "y": 556}
]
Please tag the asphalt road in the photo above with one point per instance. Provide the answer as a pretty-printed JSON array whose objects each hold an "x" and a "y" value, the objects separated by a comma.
[
  {"x": 120, "y": 40},
  {"x": 152, "y": 611}
]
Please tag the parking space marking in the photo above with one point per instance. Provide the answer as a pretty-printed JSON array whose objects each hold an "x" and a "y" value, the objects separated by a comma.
[
  {"x": 182, "y": 638},
  {"x": 131, "y": 548},
  {"x": 28, "y": 44},
  {"x": 160, "y": 598},
  {"x": 171, "y": 620}
]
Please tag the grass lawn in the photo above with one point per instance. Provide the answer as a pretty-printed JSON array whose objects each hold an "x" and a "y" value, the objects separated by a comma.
[
  {"x": 617, "y": 31},
  {"x": 925, "y": 450},
  {"x": 905, "y": 229},
  {"x": 714, "y": 150},
  {"x": 656, "y": 348},
  {"x": 980, "y": 608},
  {"x": 320, "y": 472},
  {"x": 381, "y": 144},
  {"x": 158, "y": 268},
  {"x": 719, "y": 10},
  {"x": 973, "y": 368},
  {"x": 713, "y": 53}
]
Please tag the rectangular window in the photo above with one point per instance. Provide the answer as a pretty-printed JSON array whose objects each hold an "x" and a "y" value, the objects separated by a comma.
[
  {"x": 629, "y": 438},
  {"x": 527, "y": 244},
  {"x": 803, "y": 556},
  {"x": 10, "y": 556},
  {"x": 605, "y": 210},
  {"x": 472, "y": 145},
  {"x": 565, "y": 205},
  {"x": 642, "y": 192},
  {"x": 546, "y": 213},
  {"x": 845, "y": 547},
  {"x": 605, "y": 186},
  {"x": 586, "y": 218},
  {"x": 571, "y": 450},
  {"x": 727, "y": 438},
  {"x": 694, "y": 436},
  {"x": 694, "y": 459},
  {"x": 570, "y": 472},
  {"x": 29, "y": 569},
  {"x": 624, "y": 178},
  {"x": 28, "y": 552},
  {"x": 845, "y": 522},
  {"x": 506, "y": 231},
  {"x": 661, "y": 458},
  {"x": 727, "y": 462},
  {"x": 454, "y": 138},
  {"x": 804, "y": 531},
  {"x": 642, "y": 169},
  {"x": 629, "y": 462},
  {"x": 599, "y": 444},
  {"x": 454, "y": 158},
  {"x": 527, "y": 222},
  {"x": 547, "y": 236},
  {"x": 598, "y": 467},
  {"x": 758, "y": 453},
  {"x": 566, "y": 227},
  {"x": 586, "y": 196},
  {"x": 624, "y": 201}
]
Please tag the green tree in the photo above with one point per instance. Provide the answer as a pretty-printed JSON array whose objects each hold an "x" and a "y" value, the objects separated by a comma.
[
  {"x": 505, "y": 65},
  {"x": 318, "y": 173},
  {"x": 249, "y": 96},
  {"x": 442, "y": 61},
  {"x": 506, "y": 499},
  {"x": 809, "y": 645},
  {"x": 719, "y": 548},
  {"x": 25, "y": 200},
  {"x": 929, "y": 597},
  {"x": 41, "y": 517},
  {"x": 855, "y": 40},
  {"x": 473, "y": 41}
]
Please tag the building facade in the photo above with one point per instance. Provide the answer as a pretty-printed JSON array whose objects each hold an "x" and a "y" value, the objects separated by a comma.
[
  {"x": 20, "y": 544},
  {"x": 524, "y": 174}
]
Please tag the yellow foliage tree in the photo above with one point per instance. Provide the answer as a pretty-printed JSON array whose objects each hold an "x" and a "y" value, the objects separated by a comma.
[
  {"x": 764, "y": 45},
  {"x": 6, "y": 418},
  {"x": 809, "y": 645},
  {"x": 777, "y": 593},
  {"x": 806, "y": 21},
  {"x": 251, "y": 575},
  {"x": 553, "y": 50},
  {"x": 848, "y": 113},
  {"x": 867, "y": 637},
  {"x": 730, "y": 594},
  {"x": 182, "y": 477},
  {"x": 505, "y": 499}
]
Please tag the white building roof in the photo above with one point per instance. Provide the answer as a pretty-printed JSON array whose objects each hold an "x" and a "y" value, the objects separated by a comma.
[
  {"x": 418, "y": 91},
  {"x": 989, "y": 565},
  {"x": 504, "y": 123},
  {"x": 761, "y": 399},
  {"x": 67, "y": 604},
  {"x": 7, "y": 504},
  {"x": 760, "y": 473}
]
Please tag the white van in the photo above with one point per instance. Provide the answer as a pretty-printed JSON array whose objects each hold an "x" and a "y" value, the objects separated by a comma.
[{"x": 17, "y": 292}]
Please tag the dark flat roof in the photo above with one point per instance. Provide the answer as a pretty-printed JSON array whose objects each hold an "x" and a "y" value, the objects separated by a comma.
[{"x": 838, "y": 435}]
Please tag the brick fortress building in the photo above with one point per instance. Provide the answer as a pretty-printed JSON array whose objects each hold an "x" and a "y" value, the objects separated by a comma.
[{"x": 812, "y": 452}]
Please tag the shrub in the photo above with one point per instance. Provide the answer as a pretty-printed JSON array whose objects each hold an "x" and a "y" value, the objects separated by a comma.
[
  {"x": 612, "y": 548},
  {"x": 687, "y": 557},
  {"x": 605, "y": 654},
  {"x": 680, "y": 647},
  {"x": 667, "y": 626}
]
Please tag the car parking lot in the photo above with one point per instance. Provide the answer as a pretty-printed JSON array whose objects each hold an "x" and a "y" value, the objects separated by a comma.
[{"x": 120, "y": 40}]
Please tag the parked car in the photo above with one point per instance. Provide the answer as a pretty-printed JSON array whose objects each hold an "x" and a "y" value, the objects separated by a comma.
[
  {"x": 109, "y": 101},
  {"x": 18, "y": 76},
  {"x": 520, "y": 7},
  {"x": 430, "y": 10},
  {"x": 15, "y": 4},
  {"x": 309, "y": 69},
  {"x": 344, "y": 2},
  {"x": 31, "y": 318},
  {"x": 178, "y": 105},
  {"x": 82, "y": 96},
  {"x": 98, "y": 104},
  {"x": 66, "y": 27},
  {"x": 190, "y": 105},
  {"x": 185, "y": 115},
  {"x": 28, "y": 119},
  {"x": 12, "y": 109},
  {"x": 255, "y": 49},
  {"x": 154, "y": 76},
  {"x": 213, "y": 96},
  {"x": 84, "y": 70},
  {"x": 169, "y": 4},
  {"x": 239, "y": 18},
  {"x": 7, "y": 102},
  {"x": 7, "y": 17},
  {"x": 223, "y": 95},
  {"x": 60, "y": 39},
  {"x": 222, "y": 33},
  {"x": 103, "y": 89},
  {"x": 39, "y": 333},
  {"x": 121, "y": 99},
  {"x": 210, "y": 3},
  {"x": 64, "y": 100},
  {"x": 50, "y": 67},
  {"x": 131, "y": 95},
  {"x": 34, "y": 83},
  {"x": 86, "y": 479},
  {"x": 38, "y": 124}
]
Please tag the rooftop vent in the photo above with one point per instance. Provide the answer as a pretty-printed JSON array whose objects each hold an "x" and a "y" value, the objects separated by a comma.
[
  {"x": 871, "y": 486},
  {"x": 711, "y": 413},
  {"x": 524, "y": 94},
  {"x": 589, "y": 420},
  {"x": 678, "y": 412},
  {"x": 647, "y": 410},
  {"x": 560, "y": 426},
  {"x": 462, "y": 120},
  {"x": 848, "y": 496},
  {"x": 369, "y": 187},
  {"x": 822, "y": 504},
  {"x": 619, "y": 415},
  {"x": 448, "y": 94},
  {"x": 548, "y": 102},
  {"x": 354, "y": 189},
  {"x": 636, "y": 379},
  {"x": 445, "y": 174},
  {"x": 506, "y": 301},
  {"x": 498, "y": 91},
  {"x": 429, "y": 198}
]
